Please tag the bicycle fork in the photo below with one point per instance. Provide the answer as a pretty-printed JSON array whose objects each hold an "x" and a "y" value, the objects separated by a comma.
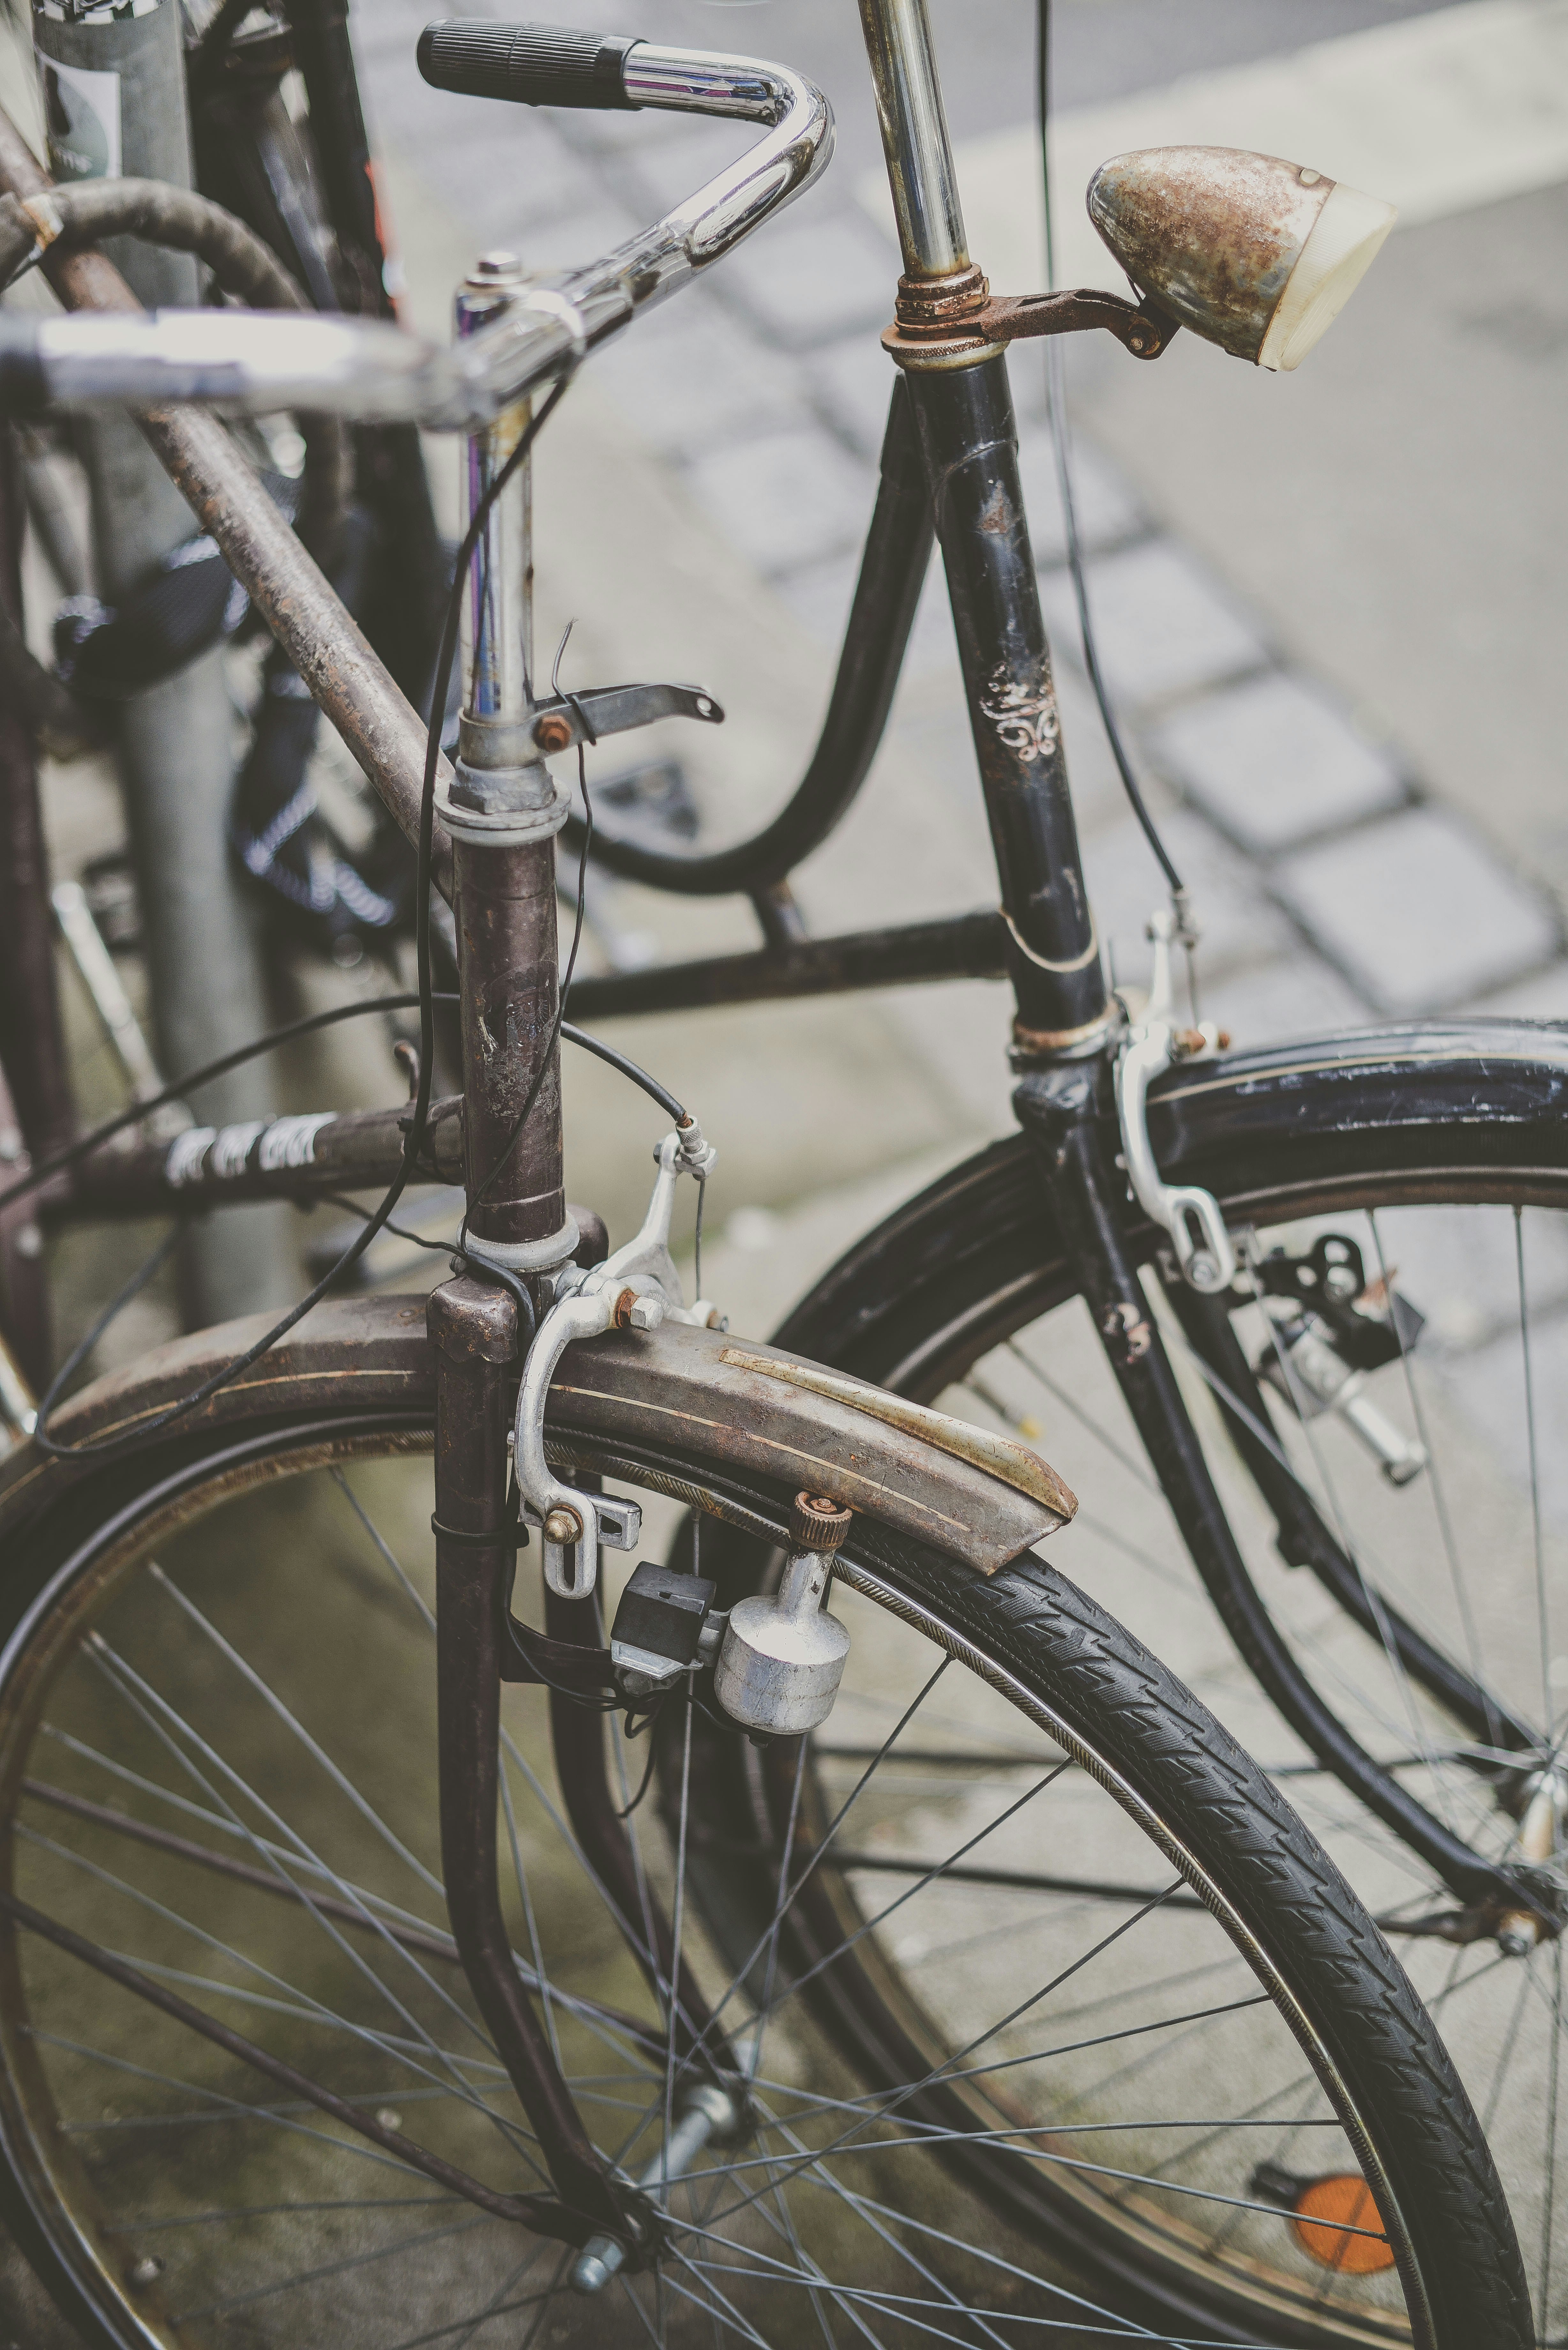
[
  {"x": 1065, "y": 1111},
  {"x": 519, "y": 1238}
]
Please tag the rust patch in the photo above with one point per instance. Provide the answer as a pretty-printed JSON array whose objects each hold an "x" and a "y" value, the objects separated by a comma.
[
  {"x": 999, "y": 1456},
  {"x": 1212, "y": 233},
  {"x": 997, "y": 519}
]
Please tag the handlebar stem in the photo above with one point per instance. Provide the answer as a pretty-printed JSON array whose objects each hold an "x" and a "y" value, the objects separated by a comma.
[
  {"x": 498, "y": 609},
  {"x": 915, "y": 140}
]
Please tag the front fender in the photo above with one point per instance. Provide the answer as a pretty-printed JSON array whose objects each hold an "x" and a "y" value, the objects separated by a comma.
[{"x": 756, "y": 1411}]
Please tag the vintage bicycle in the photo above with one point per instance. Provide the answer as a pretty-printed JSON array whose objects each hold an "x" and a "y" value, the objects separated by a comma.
[{"x": 277, "y": 2059}]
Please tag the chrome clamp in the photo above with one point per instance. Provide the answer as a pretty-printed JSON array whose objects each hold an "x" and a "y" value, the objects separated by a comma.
[
  {"x": 637, "y": 1288},
  {"x": 1190, "y": 1215}
]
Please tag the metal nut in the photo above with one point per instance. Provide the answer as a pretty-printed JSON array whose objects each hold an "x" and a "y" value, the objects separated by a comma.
[
  {"x": 645, "y": 1313},
  {"x": 562, "y": 1525},
  {"x": 623, "y": 1306},
  {"x": 553, "y": 732},
  {"x": 817, "y": 1522}
]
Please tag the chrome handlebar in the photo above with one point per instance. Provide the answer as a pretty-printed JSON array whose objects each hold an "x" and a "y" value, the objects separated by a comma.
[{"x": 248, "y": 363}]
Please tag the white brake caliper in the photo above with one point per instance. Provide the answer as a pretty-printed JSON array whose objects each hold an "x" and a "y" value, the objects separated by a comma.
[
  {"x": 1192, "y": 1216},
  {"x": 635, "y": 1289}
]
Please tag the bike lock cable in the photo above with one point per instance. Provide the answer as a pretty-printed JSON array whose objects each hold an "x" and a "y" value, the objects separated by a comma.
[{"x": 1056, "y": 408}]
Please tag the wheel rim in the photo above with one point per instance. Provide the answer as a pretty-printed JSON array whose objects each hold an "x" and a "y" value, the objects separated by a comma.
[
  {"x": 156, "y": 1646},
  {"x": 1473, "y": 1552}
]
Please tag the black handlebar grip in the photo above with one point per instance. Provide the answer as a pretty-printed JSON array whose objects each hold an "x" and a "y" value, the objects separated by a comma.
[{"x": 534, "y": 64}]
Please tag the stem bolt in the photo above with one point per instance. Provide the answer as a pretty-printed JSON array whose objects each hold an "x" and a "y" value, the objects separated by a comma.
[{"x": 553, "y": 732}]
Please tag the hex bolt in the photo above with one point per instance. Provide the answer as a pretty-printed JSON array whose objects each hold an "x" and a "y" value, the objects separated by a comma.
[
  {"x": 563, "y": 1526},
  {"x": 709, "y": 2108},
  {"x": 553, "y": 732},
  {"x": 645, "y": 1313}
]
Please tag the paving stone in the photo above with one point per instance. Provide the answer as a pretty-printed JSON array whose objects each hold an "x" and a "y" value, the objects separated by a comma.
[
  {"x": 1103, "y": 503},
  {"x": 814, "y": 277},
  {"x": 853, "y": 383},
  {"x": 384, "y": 41},
  {"x": 1418, "y": 911},
  {"x": 1299, "y": 995},
  {"x": 505, "y": 179},
  {"x": 819, "y": 595},
  {"x": 1161, "y": 625},
  {"x": 1543, "y": 996},
  {"x": 1275, "y": 762},
  {"x": 1489, "y": 1387},
  {"x": 1239, "y": 924},
  {"x": 674, "y": 163},
  {"x": 690, "y": 377},
  {"x": 786, "y": 498}
]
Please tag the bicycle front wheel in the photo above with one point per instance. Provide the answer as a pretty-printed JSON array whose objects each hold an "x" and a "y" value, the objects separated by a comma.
[
  {"x": 1045, "y": 1975},
  {"x": 1429, "y": 1163}
]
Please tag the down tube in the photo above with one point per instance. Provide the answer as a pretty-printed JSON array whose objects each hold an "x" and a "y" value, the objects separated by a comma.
[{"x": 969, "y": 444}]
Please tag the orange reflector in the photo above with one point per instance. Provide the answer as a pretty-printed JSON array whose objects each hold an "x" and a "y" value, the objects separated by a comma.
[{"x": 1327, "y": 2209}]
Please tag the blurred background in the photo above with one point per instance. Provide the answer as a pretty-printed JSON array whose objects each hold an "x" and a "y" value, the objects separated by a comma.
[{"x": 1329, "y": 605}]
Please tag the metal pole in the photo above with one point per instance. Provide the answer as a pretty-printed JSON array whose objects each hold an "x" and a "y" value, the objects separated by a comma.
[
  {"x": 114, "y": 91},
  {"x": 32, "y": 1040},
  {"x": 914, "y": 136},
  {"x": 216, "y": 480}
]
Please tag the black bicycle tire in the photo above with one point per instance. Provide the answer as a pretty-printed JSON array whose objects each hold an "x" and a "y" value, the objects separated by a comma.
[
  {"x": 1469, "y": 1103},
  {"x": 1467, "y": 1111},
  {"x": 1148, "y": 1732}
]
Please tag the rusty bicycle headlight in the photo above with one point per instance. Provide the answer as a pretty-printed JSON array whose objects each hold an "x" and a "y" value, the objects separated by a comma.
[{"x": 1252, "y": 253}]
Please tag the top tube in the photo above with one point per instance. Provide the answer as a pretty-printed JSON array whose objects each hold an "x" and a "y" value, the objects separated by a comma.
[{"x": 253, "y": 362}]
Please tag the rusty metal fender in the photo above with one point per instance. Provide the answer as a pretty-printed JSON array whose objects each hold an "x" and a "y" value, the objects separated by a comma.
[
  {"x": 749, "y": 1409},
  {"x": 758, "y": 1408}
]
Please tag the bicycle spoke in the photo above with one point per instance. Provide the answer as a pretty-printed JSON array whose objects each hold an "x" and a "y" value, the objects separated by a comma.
[
  {"x": 1436, "y": 1472},
  {"x": 130, "y": 1683},
  {"x": 1542, "y": 1618}
]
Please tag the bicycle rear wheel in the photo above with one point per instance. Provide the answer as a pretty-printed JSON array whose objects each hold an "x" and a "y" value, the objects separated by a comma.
[
  {"x": 1430, "y": 1161},
  {"x": 1074, "y": 1993}
]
